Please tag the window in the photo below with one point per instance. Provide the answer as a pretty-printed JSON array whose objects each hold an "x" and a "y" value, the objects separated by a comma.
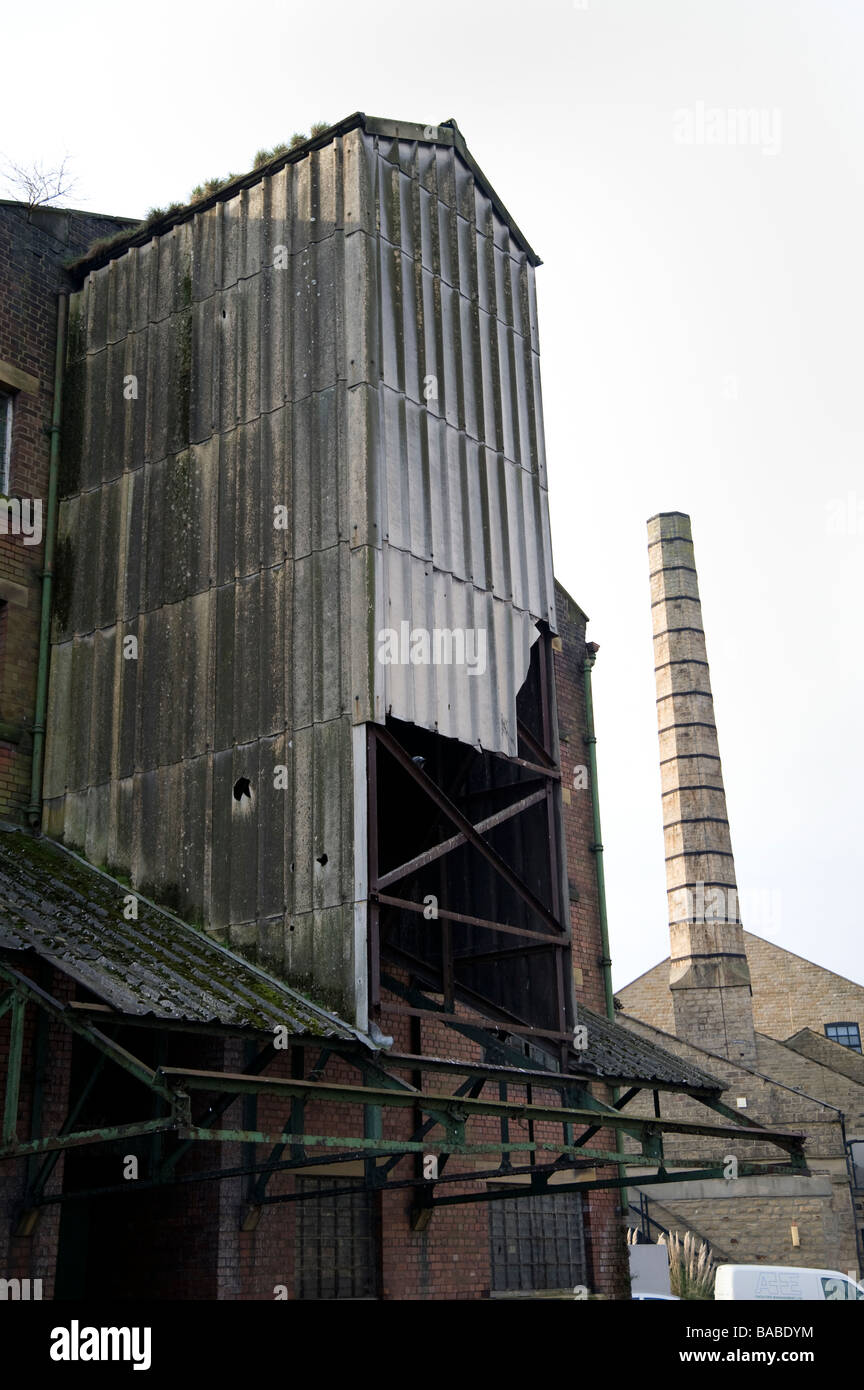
[
  {"x": 337, "y": 1241},
  {"x": 5, "y": 442},
  {"x": 847, "y": 1034},
  {"x": 537, "y": 1242}
]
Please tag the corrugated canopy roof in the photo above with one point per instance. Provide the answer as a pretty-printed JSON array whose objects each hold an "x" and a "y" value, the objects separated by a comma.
[
  {"x": 71, "y": 914},
  {"x": 615, "y": 1051}
]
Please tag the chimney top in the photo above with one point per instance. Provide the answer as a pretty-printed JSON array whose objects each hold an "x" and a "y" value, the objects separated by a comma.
[{"x": 669, "y": 526}]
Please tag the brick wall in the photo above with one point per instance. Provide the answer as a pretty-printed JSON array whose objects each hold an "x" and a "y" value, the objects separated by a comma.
[
  {"x": 649, "y": 997},
  {"x": 608, "y": 1224},
  {"x": 759, "y": 1230},
  {"x": 450, "y": 1257},
  {"x": 33, "y": 248},
  {"x": 186, "y": 1241}
]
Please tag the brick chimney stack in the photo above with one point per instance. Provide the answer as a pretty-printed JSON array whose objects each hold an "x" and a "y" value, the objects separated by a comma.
[{"x": 709, "y": 976}]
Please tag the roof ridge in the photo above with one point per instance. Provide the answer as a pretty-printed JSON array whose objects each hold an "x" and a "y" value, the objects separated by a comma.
[{"x": 447, "y": 134}]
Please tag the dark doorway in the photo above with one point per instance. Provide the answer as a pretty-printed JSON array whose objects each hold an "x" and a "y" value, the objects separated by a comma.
[{"x": 134, "y": 1243}]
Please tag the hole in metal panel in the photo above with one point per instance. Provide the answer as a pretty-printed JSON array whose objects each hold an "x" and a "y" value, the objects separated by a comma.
[{"x": 242, "y": 787}]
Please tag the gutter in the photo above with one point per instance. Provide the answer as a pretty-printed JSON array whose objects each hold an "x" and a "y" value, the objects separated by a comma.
[{"x": 34, "y": 809}]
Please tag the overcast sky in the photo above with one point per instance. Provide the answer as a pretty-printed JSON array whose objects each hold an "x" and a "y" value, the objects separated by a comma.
[{"x": 701, "y": 338}]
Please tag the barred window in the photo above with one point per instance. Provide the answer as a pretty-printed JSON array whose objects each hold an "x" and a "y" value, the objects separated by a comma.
[
  {"x": 337, "y": 1241},
  {"x": 538, "y": 1242}
]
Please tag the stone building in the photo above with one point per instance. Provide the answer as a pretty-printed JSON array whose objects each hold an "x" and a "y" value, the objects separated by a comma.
[
  {"x": 789, "y": 994},
  {"x": 783, "y": 1033}
]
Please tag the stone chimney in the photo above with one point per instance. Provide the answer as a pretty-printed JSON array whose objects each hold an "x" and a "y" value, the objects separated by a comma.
[{"x": 709, "y": 977}]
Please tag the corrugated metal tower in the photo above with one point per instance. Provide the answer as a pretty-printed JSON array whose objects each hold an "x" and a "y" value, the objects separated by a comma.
[{"x": 309, "y": 592}]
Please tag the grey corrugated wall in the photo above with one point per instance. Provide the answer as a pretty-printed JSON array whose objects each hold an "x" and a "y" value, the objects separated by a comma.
[{"x": 283, "y": 343}]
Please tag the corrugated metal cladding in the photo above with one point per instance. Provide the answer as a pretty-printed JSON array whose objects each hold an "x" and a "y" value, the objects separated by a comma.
[
  {"x": 616, "y": 1051},
  {"x": 458, "y": 512},
  {"x": 351, "y": 340}
]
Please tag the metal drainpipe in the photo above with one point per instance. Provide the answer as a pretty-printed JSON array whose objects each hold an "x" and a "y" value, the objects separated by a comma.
[
  {"x": 597, "y": 848},
  {"x": 34, "y": 810}
]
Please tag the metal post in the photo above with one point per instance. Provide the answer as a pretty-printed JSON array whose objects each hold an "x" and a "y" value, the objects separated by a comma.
[
  {"x": 13, "y": 1071},
  {"x": 372, "y": 1129},
  {"x": 34, "y": 809},
  {"x": 374, "y": 940}
]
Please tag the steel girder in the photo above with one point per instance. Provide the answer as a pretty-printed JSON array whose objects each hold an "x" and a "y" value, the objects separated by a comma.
[{"x": 441, "y": 1131}]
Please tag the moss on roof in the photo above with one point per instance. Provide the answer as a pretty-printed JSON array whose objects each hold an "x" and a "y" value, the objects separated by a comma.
[
  {"x": 203, "y": 193},
  {"x": 70, "y": 913}
]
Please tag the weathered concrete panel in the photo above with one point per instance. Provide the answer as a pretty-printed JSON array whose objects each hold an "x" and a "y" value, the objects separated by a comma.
[{"x": 347, "y": 349}]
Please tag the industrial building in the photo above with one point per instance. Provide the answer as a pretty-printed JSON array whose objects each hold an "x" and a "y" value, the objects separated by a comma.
[{"x": 302, "y": 937}]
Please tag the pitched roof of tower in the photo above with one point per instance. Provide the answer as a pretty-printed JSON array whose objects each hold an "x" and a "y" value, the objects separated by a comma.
[{"x": 447, "y": 135}]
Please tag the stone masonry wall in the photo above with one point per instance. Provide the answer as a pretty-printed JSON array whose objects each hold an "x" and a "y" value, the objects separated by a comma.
[{"x": 789, "y": 993}]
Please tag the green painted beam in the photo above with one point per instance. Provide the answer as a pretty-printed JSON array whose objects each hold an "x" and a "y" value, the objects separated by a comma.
[
  {"x": 106, "y": 1135},
  {"x": 385, "y": 1147},
  {"x": 295, "y": 1124},
  {"x": 13, "y": 1070},
  {"x": 257, "y": 1065},
  {"x": 113, "y": 1051},
  {"x": 418, "y": 1184},
  {"x": 744, "y": 1120},
  {"x": 595, "y": 1184},
  {"x": 466, "y": 1109},
  {"x": 66, "y": 1128}
]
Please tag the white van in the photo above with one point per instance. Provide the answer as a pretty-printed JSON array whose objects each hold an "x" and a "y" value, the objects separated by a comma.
[{"x": 784, "y": 1282}]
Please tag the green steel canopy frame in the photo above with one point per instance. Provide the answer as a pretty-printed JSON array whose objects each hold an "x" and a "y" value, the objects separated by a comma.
[{"x": 441, "y": 1118}]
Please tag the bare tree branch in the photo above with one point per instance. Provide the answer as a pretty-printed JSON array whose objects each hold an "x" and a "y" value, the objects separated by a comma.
[{"x": 37, "y": 184}]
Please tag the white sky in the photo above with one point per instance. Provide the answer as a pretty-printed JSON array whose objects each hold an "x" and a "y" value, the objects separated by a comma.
[{"x": 701, "y": 313}]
